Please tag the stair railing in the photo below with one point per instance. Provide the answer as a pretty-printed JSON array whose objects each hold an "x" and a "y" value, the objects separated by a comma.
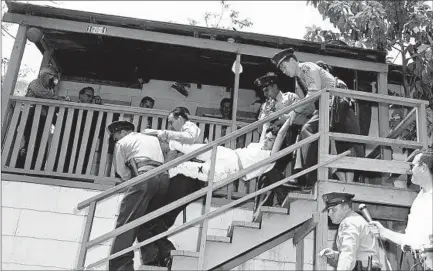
[{"x": 91, "y": 202}]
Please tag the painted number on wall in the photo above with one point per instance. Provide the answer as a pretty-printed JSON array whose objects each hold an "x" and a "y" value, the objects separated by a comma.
[{"x": 96, "y": 29}]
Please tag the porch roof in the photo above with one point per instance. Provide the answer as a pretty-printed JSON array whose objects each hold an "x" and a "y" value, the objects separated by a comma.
[{"x": 109, "y": 58}]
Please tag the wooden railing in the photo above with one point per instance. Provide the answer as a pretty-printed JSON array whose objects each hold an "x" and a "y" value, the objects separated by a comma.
[
  {"x": 67, "y": 140},
  {"x": 325, "y": 161},
  {"x": 52, "y": 149}
]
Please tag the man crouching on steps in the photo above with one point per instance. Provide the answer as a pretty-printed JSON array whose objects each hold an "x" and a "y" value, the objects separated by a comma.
[{"x": 136, "y": 154}]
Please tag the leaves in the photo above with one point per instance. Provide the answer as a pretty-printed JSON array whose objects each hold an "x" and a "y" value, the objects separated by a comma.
[
  {"x": 226, "y": 18},
  {"x": 384, "y": 25}
]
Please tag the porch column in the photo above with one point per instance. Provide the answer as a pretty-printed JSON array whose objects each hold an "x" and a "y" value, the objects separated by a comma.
[
  {"x": 382, "y": 88},
  {"x": 236, "y": 95},
  {"x": 12, "y": 70}
]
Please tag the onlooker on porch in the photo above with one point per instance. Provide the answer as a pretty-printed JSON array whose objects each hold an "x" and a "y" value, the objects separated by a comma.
[
  {"x": 44, "y": 87},
  {"x": 147, "y": 102}
]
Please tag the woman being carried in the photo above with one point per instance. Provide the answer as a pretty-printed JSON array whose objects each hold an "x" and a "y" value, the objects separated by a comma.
[{"x": 230, "y": 161}]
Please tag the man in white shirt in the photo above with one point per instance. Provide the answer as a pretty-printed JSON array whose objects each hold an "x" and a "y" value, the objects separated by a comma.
[
  {"x": 419, "y": 224},
  {"x": 179, "y": 128},
  {"x": 136, "y": 154}
]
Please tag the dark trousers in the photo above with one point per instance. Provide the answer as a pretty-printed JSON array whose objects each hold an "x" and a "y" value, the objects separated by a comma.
[
  {"x": 149, "y": 193},
  {"x": 309, "y": 152}
]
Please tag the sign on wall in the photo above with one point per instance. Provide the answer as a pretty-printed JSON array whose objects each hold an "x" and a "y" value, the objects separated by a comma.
[{"x": 96, "y": 29}]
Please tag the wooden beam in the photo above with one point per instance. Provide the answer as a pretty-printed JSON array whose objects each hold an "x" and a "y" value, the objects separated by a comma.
[
  {"x": 375, "y": 194},
  {"x": 375, "y": 140},
  {"x": 321, "y": 232},
  {"x": 54, "y": 181},
  {"x": 11, "y": 77},
  {"x": 374, "y": 165},
  {"x": 382, "y": 88},
  {"x": 236, "y": 48},
  {"x": 385, "y": 212},
  {"x": 380, "y": 97},
  {"x": 235, "y": 96},
  {"x": 322, "y": 173},
  {"x": 306, "y": 228},
  {"x": 422, "y": 132},
  {"x": 300, "y": 255}
]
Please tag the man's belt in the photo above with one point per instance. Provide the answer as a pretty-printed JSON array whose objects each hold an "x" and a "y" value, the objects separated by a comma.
[{"x": 138, "y": 164}]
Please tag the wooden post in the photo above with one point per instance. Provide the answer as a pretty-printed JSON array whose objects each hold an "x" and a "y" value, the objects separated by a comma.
[
  {"x": 422, "y": 131},
  {"x": 46, "y": 59},
  {"x": 382, "y": 88},
  {"x": 86, "y": 236},
  {"x": 12, "y": 70},
  {"x": 205, "y": 224},
  {"x": 324, "y": 139},
  {"x": 321, "y": 233},
  {"x": 236, "y": 96}
]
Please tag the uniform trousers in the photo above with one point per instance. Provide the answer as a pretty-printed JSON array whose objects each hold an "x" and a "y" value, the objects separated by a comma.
[{"x": 149, "y": 193}]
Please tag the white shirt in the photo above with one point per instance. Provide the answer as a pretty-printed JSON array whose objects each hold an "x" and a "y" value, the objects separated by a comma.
[
  {"x": 419, "y": 224},
  {"x": 224, "y": 157},
  {"x": 251, "y": 155},
  {"x": 135, "y": 145},
  {"x": 188, "y": 134}
]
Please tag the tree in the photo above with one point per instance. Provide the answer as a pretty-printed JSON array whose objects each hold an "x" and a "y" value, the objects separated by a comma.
[
  {"x": 405, "y": 26},
  {"x": 220, "y": 19}
]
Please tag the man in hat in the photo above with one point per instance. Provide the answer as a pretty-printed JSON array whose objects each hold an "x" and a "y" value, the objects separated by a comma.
[
  {"x": 310, "y": 78},
  {"x": 136, "y": 154},
  {"x": 344, "y": 119},
  {"x": 355, "y": 242},
  {"x": 277, "y": 100}
]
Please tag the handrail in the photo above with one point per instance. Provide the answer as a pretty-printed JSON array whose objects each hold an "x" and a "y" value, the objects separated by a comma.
[
  {"x": 219, "y": 210},
  {"x": 201, "y": 192},
  {"x": 375, "y": 97},
  {"x": 118, "y": 108},
  {"x": 185, "y": 157}
]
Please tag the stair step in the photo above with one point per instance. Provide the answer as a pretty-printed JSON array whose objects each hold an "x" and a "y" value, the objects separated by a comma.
[
  {"x": 221, "y": 239},
  {"x": 184, "y": 260},
  {"x": 272, "y": 210},
  {"x": 292, "y": 196},
  {"x": 152, "y": 268},
  {"x": 185, "y": 253},
  {"x": 244, "y": 224}
]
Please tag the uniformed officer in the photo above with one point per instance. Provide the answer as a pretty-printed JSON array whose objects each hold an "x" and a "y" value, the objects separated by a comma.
[
  {"x": 136, "y": 154},
  {"x": 355, "y": 242}
]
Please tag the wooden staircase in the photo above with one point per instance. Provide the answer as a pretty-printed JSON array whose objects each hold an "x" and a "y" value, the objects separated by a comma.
[{"x": 245, "y": 238}]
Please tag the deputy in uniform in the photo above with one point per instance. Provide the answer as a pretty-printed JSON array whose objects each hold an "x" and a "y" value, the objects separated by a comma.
[
  {"x": 136, "y": 154},
  {"x": 355, "y": 242},
  {"x": 310, "y": 78},
  {"x": 276, "y": 100}
]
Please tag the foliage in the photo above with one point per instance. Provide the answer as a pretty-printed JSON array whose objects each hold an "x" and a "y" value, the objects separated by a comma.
[
  {"x": 219, "y": 19},
  {"x": 406, "y": 26}
]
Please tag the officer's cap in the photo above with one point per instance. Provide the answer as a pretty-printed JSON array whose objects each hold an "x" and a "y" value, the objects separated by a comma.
[
  {"x": 120, "y": 125},
  {"x": 279, "y": 57},
  {"x": 266, "y": 80},
  {"x": 334, "y": 198}
]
